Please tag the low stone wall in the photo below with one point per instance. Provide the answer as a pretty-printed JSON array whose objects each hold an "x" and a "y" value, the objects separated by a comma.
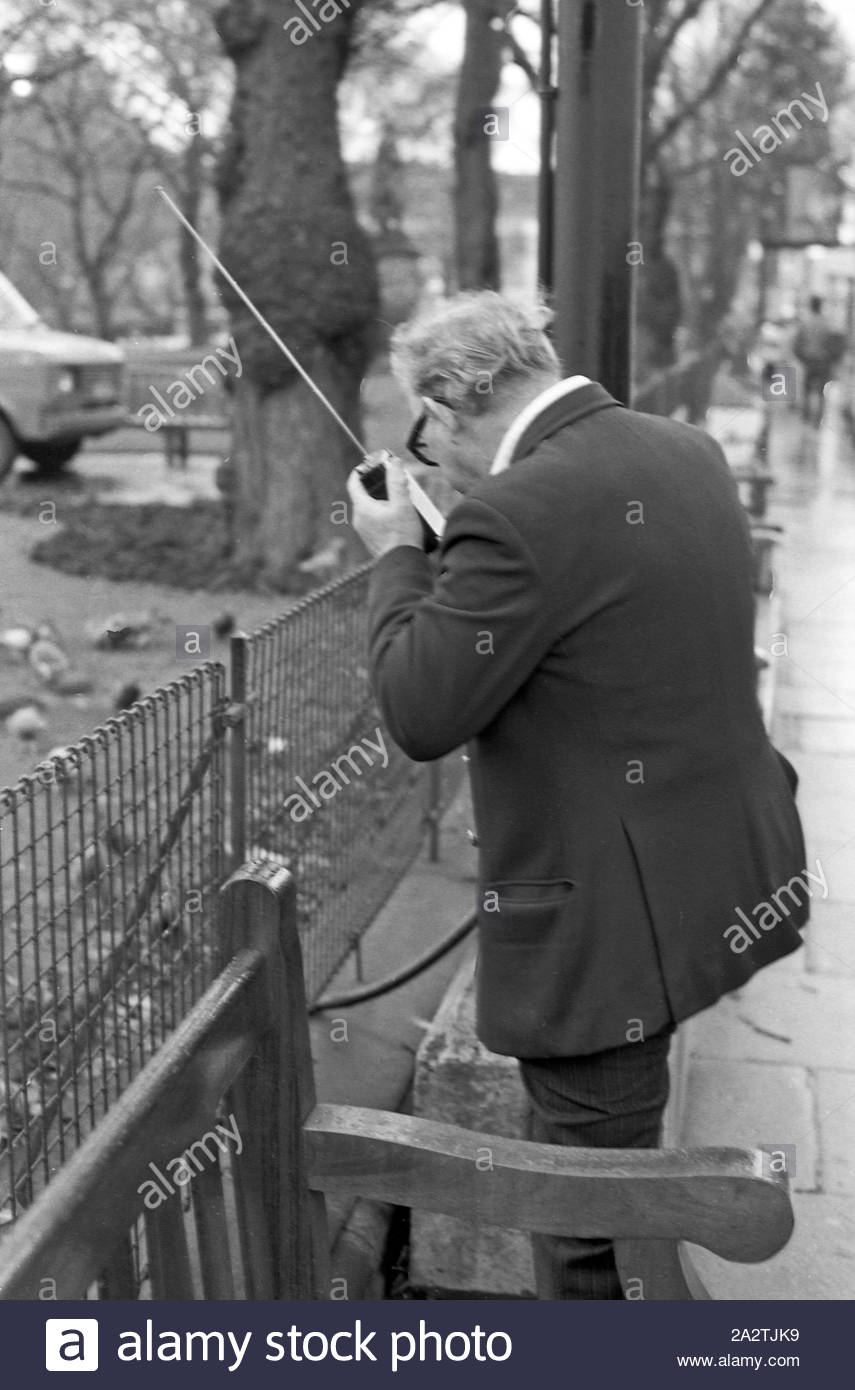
[{"x": 458, "y": 1081}]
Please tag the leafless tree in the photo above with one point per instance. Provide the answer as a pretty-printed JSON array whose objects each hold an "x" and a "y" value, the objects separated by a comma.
[
  {"x": 168, "y": 59},
  {"x": 80, "y": 165}
]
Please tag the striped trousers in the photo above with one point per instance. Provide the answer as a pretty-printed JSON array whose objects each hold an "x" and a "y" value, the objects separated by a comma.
[{"x": 609, "y": 1100}]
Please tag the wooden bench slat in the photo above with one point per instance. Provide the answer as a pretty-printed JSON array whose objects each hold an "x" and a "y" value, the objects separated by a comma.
[
  {"x": 209, "y": 1215},
  {"x": 259, "y": 910},
  {"x": 724, "y": 1199},
  {"x": 253, "y": 1223},
  {"x": 118, "y": 1279},
  {"x": 168, "y": 1256}
]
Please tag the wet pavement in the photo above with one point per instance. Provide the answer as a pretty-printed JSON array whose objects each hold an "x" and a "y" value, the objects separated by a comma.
[{"x": 774, "y": 1064}]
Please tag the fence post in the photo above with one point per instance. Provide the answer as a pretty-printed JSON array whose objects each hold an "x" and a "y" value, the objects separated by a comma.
[
  {"x": 276, "y": 1094},
  {"x": 239, "y": 649}
]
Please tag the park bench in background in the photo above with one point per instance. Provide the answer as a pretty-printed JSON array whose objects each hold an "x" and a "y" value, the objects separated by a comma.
[
  {"x": 754, "y": 482},
  {"x": 255, "y": 1227},
  {"x": 207, "y": 412}
]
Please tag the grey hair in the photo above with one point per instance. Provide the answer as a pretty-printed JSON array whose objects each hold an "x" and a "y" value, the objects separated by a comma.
[{"x": 459, "y": 351}]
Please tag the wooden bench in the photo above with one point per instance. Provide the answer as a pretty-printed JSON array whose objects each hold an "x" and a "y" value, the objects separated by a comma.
[
  {"x": 176, "y": 436},
  {"x": 754, "y": 484},
  {"x": 208, "y": 411},
  {"x": 256, "y": 1227}
]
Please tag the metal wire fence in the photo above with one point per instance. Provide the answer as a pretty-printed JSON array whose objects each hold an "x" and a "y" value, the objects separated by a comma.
[
  {"x": 325, "y": 786},
  {"x": 111, "y": 856}
]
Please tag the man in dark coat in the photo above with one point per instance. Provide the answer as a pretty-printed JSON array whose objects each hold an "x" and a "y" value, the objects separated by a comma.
[
  {"x": 819, "y": 349},
  {"x": 587, "y": 631}
]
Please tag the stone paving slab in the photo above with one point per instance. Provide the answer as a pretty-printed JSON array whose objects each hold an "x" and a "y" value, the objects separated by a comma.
[
  {"x": 830, "y": 939},
  {"x": 835, "y": 1113},
  {"x": 806, "y": 700},
  {"x": 817, "y": 1263},
  {"x": 810, "y": 651},
  {"x": 781, "y": 1020},
  {"x": 836, "y": 857},
  {"x": 828, "y": 734},
  {"x": 814, "y": 664},
  {"x": 766, "y": 1107},
  {"x": 825, "y": 778},
  {"x": 796, "y": 965},
  {"x": 826, "y": 807},
  {"x": 836, "y": 1126},
  {"x": 811, "y": 585}
]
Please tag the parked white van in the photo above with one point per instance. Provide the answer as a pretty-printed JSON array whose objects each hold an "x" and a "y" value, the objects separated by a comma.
[{"x": 55, "y": 388}]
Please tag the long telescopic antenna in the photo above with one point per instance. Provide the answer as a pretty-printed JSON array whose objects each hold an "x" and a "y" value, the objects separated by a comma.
[{"x": 263, "y": 321}]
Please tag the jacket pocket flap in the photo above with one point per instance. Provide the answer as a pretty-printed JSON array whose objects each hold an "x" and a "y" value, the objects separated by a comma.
[{"x": 527, "y": 892}]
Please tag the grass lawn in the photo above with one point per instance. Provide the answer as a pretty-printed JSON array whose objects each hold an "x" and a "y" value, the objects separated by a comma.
[{"x": 30, "y": 593}]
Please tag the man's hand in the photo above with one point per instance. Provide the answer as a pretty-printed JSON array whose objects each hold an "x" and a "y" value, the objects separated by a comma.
[{"x": 385, "y": 525}]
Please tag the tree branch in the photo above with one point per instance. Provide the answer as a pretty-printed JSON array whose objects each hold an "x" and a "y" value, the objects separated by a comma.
[
  {"x": 521, "y": 58},
  {"x": 690, "y": 11},
  {"x": 714, "y": 82},
  {"x": 658, "y": 44},
  {"x": 38, "y": 186},
  {"x": 113, "y": 232},
  {"x": 42, "y": 76}
]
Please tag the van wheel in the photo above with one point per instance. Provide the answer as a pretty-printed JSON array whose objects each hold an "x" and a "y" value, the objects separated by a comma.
[
  {"x": 8, "y": 449},
  {"x": 50, "y": 459}
]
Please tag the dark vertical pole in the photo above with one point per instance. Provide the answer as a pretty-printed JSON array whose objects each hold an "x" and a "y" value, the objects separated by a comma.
[
  {"x": 597, "y": 186},
  {"x": 238, "y": 769},
  {"x": 762, "y": 287},
  {"x": 546, "y": 179}
]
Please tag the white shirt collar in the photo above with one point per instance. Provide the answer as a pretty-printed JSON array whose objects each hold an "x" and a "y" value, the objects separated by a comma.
[{"x": 512, "y": 436}]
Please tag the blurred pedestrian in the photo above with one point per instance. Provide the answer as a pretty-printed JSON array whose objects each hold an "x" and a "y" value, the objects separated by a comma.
[
  {"x": 772, "y": 353},
  {"x": 819, "y": 348}
]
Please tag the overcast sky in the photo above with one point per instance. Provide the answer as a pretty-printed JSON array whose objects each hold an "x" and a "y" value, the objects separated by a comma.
[{"x": 843, "y": 10}]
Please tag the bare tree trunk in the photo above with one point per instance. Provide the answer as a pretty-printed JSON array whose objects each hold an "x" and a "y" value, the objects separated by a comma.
[
  {"x": 476, "y": 199},
  {"x": 291, "y": 239},
  {"x": 660, "y": 299},
  {"x": 100, "y": 299},
  {"x": 188, "y": 252}
]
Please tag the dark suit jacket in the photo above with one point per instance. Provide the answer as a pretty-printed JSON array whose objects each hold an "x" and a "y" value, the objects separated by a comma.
[{"x": 590, "y": 633}]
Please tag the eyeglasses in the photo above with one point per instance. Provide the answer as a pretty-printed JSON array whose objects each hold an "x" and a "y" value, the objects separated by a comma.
[{"x": 416, "y": 439}]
